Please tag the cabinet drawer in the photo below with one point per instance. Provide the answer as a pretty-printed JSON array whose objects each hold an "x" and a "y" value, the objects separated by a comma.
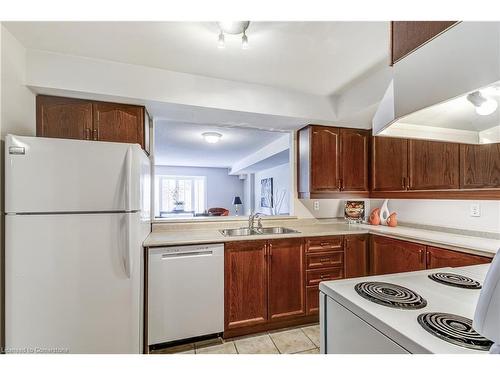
[
  {"x": 325, "y": 260},
  {"x": 317, "y": 276},
  {"x": 321, "y": 244},
  {"x": 312, "y": 300}
]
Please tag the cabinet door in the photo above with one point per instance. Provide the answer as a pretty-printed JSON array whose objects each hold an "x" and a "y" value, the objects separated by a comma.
[
  {"x": 480, "y": 166},
  {"x": 389, "y": 164},
  {"x": 324, "y": 159},
  {"x": 118, "y": 123},
  {"x": 407, "y": 36},
  {"x": 433, "y": 165},
  {"x": 245, "y": 283},
  {"x": 286, "y": 279},
  {"x": 437, "y": 258},
  {"x": 388, "y": 255},
  {"x": 354, "y": 146},
  {"x": 356, "y": 255},
  {"x": 63, "y": 117}
]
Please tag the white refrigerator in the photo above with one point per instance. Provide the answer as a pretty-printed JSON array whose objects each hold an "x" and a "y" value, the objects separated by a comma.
[{"x": 77, "y": 213}]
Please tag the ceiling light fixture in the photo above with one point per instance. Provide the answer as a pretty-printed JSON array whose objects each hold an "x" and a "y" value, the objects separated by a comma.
[
  {"x": 233, "y": 28},
  {"x": 211, "y": 137},
  {"x": 484, "y": 106}
]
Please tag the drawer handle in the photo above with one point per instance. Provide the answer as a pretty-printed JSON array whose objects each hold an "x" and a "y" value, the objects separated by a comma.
[
  {"x": 325, "y": 260},
  {"x": 324, "y": 276},
  {"x": 323, "y": 244}
]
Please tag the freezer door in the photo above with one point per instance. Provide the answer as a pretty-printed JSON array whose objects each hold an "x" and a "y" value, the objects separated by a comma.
[
  {"x": 73, "y": 283},
  {"x": 46, "y": 175}
]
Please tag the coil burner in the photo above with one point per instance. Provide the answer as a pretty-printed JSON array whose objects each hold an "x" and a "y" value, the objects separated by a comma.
[
  {"x": 390, "y": 295},
  {"x": 454, "y": 329},
  {"x": 455, "y": 280}
]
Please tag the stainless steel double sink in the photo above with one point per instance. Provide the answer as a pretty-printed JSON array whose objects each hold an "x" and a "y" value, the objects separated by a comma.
[{"x": 256, "y": 231}]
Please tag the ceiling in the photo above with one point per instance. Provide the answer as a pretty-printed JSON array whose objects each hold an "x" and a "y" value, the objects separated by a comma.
[
  {"x": 181, "y": 144},
  {"x": 458, "y": 113},
  {"x": 312, "y": 57}
]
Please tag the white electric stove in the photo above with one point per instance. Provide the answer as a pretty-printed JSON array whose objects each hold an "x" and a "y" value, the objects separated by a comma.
[{"x": 403, "y": 313}]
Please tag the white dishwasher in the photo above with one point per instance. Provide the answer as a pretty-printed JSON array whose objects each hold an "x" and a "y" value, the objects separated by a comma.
[{"x": 185, "y": 292}]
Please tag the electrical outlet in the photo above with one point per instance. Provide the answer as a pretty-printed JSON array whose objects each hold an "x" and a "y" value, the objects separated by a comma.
[
  {"x": 316, "y": 205},
  {"x": 475, "y": 210}
]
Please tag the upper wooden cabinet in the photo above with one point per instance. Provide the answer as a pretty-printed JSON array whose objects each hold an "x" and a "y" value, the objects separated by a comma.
[
  {"x": 59, "y": 117},
  {"x": 332, "y": 161},
  {"x": 407, "y": 36},
  {"x": 325, "y": 156},
  {"x": 410, "y": 168},
  {"x": 433, "y": 165},
  {"x": 480, "y": 166},
  {"x": 118, "y": 123},
  {"x": 63, "y": 117},
  {"x": 437, "y": 258},
  {"x": 389, "y": 164},
  {"x": 389, "y": 255},
  {"x": 354, "y": 154}
]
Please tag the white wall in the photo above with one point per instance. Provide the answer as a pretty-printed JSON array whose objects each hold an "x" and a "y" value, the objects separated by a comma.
[
  {"x": 17, "y": 107},
  {"x": 18, "y": 102},
  {"x": 447, "y": 213},
  {"x": 281, "y": 182},
  {"x": 221, "y": 187},
  {"x": 87, "y": 75}
]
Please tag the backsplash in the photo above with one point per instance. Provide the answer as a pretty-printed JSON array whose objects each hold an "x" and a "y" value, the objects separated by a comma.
[{"x": 446, "y": 213}]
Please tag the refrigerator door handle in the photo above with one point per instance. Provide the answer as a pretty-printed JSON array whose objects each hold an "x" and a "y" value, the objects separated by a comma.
[
  {"x": 127, "y": 256},
  {"x": 128, "y": 178}
]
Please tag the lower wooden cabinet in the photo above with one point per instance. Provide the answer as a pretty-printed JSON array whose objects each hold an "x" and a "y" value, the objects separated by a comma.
[
  {"x": 245, "y": 283},
  {"x": 286, "y": 279},
  {"x": 356, "y": 255},
  {"x": 264, "y": 282},
  {"x": 312, "y": 297},
  {"x": 388, "y": 255},
  {"x": 324, "y": 261},
  {"x": 437, "y": 258}
]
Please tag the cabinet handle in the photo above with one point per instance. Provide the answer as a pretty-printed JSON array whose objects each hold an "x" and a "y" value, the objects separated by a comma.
[
  {"x": 422, "y": 258},
  {"x": 341, "y": 184},
  {"x": 87, "y": 134},
  {"x": 408, "y": 185},
  {"x": 96, "y": 134},
  {"x": 403, "y": 182}
]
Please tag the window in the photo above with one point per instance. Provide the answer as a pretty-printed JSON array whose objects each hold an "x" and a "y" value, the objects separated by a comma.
[{"x": 181, "y": 194}]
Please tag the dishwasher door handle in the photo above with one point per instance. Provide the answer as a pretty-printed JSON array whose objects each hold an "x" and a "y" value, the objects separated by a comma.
[{"x": 187, "y": 254}]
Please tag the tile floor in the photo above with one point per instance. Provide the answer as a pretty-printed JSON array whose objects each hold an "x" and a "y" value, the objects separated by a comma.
[{"x": 297, "y": 340}]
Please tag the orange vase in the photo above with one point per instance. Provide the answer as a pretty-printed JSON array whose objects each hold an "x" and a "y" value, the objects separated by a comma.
[
  {"x": 392, "y": 220},
  {"x": 374, "y": 218}
]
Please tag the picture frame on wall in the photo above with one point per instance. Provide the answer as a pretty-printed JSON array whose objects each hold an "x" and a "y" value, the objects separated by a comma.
[{"x": 266, "y": 192}]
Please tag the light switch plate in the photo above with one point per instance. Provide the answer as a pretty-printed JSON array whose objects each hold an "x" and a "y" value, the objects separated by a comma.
[
  {"x": 316, "y": 205},
  {"x": 475, "y": 210}
]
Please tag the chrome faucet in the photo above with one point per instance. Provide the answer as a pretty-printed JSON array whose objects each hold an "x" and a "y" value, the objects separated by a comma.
[{"x": 251, "y": 220}]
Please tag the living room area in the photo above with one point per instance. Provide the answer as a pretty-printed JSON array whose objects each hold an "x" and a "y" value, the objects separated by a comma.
[{"x": 203, "y": 171}]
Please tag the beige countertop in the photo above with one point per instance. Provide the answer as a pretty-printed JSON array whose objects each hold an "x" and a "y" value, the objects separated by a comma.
[{"x": 198, "y": 233}]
